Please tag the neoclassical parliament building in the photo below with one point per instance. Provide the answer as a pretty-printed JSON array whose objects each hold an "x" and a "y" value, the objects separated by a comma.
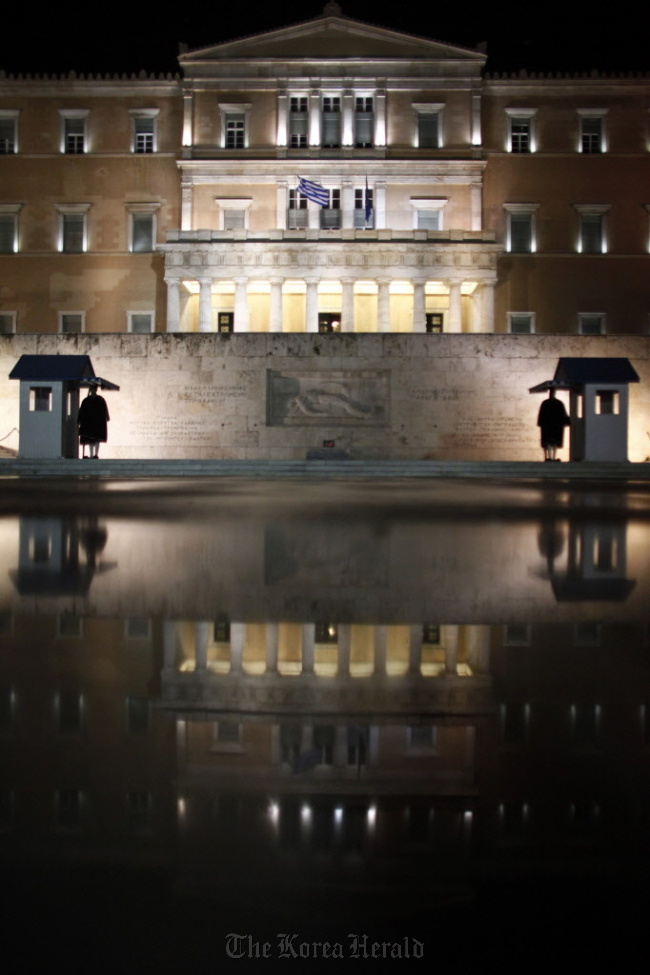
[{"x": 446, "y": 199}]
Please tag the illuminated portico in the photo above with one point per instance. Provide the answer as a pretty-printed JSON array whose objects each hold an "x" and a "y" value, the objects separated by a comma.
[{"x": 372, "y": 281}]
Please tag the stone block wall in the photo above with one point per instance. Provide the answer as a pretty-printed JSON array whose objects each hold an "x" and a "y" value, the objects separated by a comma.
[{"x": 276, "y": 396}]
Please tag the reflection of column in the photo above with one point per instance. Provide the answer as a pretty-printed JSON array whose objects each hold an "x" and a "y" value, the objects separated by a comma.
[
  {"x": 380, "y": 650},
  {"x": 383, "y": 305},
  {"x": 311, "y": 305},
  {"x": 201, "y": 641},
  {"x": 169, "y": 645},
  {"x": 340, "y": 756},
  {"x": 451, "y": 648},
  {"x": 347, "y": 305},
  {"x": 344, "y": 651},
  {"x": 173, "y": 305},
  {"x": 347, "y": 204},
  {"x": 455, "y": 307},
  {"x": 306, "y": 737},
  {"x": 241, "y": 304},
  {"x": 275, "y": 323},
  {"x": 272, "y": 631},
  {"x": 308, "y": 635},
  {"x": 237, "y": 638},
  {"x": 419, "y": 308},
  {"x": 415, "y": 649},
  {"x": 478, "y": 648},
  {"x": 205, "y": 305}
]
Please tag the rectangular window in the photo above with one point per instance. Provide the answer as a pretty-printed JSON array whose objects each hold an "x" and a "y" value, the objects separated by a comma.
[
  {"x": 591, "y": 233},
  {"x": 429, "y": 130},
  {"x": 364, "y": 122},
  {"x": 520, "y": 134},
  {"x": 330, "y": 215},
  {"x": 235, "y": 131},
  {"x": 140, "y": 322},
  {"x": 7, "y": 322},
  {"x": 297, "y": 215},
  {"x": 428, "y": 219},
  {"x": 73, "y": 233},
  {"x": 74, "y": 135},
  {"x": 8, "y": 236},
  {"x": 331, "y": 122},
  {"x": 142, "y": 233},
  {"x": 364, "y": 214},
  {"x": 589, "y": 324},
  {"x": 40, "y": 399},
  {"x": 8, "y": 134},
  {"x": 234, "y": 219},
  {"x": 520, "y": 233},
  {"x": 298, "y": 122},
  {"x": 591, "y": 133},
  {"x": 144, "y": 133},
  {"x": 521, "y": 322},
  {"x": 71, "y": 322}
]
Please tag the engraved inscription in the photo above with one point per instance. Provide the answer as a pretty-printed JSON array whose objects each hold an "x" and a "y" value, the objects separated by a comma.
[{"x": 342, "y": 397}]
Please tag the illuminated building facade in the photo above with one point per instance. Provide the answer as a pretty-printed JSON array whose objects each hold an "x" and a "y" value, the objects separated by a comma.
[{"x": 455, "y": 201}]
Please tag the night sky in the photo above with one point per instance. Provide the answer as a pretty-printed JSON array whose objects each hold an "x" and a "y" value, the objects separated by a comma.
[{"x": 129, "y": 36}]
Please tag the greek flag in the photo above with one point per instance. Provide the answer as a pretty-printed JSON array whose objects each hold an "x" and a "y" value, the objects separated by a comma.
[{"x": 314, "y": 192}]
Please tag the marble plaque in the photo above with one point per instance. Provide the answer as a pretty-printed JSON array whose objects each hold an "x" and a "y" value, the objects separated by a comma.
[{"x": 357, "y": 397}]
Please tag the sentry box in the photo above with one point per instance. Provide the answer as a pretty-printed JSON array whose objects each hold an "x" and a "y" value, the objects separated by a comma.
[
  {"x": 598, "y": 405},
  {"x": 49, "y": 403}
]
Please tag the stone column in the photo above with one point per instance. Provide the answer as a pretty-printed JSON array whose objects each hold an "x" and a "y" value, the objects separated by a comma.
[
  {"x": 347, "y": 305},
  {"x": 380, "y": 118},
  {"x": 205, "y": 305},
  {"x": 383, "y": 304},
  {"x": 188, "y": 137},
  {"x": 313, "y": 103},
  {"x": 487, "y": 292},
  {"x": 379, "y": 204},
  {"x": 455, "y": 307},
  {"x": 311, "y": 305},
  {"x": 313, "y": 215},
  {"x": 347, "y": 204},
  {"x": 476, "y": 206},
  {"x": 237, "y": 640},
  {"x": 283, "y": 116},
  {"x": 347, "y": 118},
  {"x": 275, "y": 316},
  {"x": 241, "y": 304},
  {"x": 478, "y": 648},
  {"x": 201, "y": 643},
  {"x": 186, "y": 206},
  {"x": 173, "y": 305},
  {"x": 308, "y": 635},
  {"x": 419, "y": 307},
  {"x": 282, "y": 204},
  {"x": 272, "y": 632}
]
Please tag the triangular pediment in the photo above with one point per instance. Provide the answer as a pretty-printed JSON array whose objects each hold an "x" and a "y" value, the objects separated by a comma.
[{"x": 332, "y": 37}]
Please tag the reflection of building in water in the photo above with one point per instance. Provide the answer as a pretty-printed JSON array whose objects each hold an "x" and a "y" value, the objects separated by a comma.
[{"x": 58, "y": 556}]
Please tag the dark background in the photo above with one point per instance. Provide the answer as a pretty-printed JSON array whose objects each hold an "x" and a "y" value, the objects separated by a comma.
[{"x": 130, "y": 36}]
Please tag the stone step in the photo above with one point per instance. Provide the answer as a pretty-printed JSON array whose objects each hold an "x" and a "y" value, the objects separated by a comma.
[{"x": 135, "y": 469}]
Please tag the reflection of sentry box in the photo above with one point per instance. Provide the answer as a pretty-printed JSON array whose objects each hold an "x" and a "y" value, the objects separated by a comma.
[
  {"x": 599, "y": 405},
  {"x": 49, "y": 402}
]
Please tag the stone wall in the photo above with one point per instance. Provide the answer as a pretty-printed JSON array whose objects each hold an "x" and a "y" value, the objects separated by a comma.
[{"x": 276, "y": 396}]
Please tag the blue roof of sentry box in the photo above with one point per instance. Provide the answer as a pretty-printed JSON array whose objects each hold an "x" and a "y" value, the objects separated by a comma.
[
  {"x": 595, "y": 370},
  {"x": 56, "y": 368}
]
